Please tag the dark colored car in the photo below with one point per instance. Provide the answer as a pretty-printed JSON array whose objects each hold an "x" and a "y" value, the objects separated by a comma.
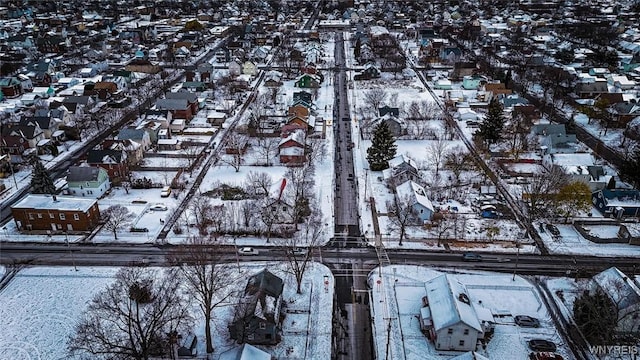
[
  {"x": 545, "y": 356},
  {"x": 527, "y": 321},
  {"x": 471, "y": 257},
  {"x": 541, "y": 345}
]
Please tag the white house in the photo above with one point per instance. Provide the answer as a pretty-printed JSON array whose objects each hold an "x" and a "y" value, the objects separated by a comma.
[
  {"x": 416, "y": 195},
  {"x": 455, "y": 324},
  {"x": 624, "y": 292},
  {"x": 576, "y": 165}
]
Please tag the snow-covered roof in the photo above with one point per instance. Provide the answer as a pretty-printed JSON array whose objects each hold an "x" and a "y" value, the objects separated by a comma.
[
  {"x": 581, "y": 159},
  {"x": 245, "y": 352},
  {"x": 296, "y": 135},
  {"x": 450, "y": 303},
  {"x": 619, "y": 287},
  {"x": 401, "y": 159},
  {"x": 414, "y": 191},
  {"x": 47, "y": 202},
  {"x": 471, "y": 355}
]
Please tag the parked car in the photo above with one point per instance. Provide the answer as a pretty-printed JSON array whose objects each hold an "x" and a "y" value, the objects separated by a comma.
[
  {"x": 541, "y": 345},
  {"x": 527, "y": 321},
  {"x": 158, "y": 207},
  {"x": 166, "y": 191},
  {"x": 247, "y": 251},
  {"x": 544, "y": 356},
  {"x": 471, "y": 257}
]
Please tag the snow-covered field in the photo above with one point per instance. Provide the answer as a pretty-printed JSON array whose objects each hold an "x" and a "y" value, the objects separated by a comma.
[
  {"x": 571, "y": 242},
  {"x": 401, "y": 291},
  {"x": 39, "y": 308}
]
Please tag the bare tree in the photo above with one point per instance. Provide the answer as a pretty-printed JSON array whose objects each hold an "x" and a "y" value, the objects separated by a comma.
[
  {"x": 538, "y": 193},
  {"x": 316, "y": 150},
  {"x": 267, "y": 148},
  {"x": 258, "y": 183},
  {"x": 374, "y": 98},
  {"x": 458, "y": 160},
  {"x": 308, "y": 238},
  {"x": 207, "y": 279},
  {"x": 401, "y": 215},
  {"x": 133, "y": 317},
  {"x": 268, "y": 216},
  {"x": 236, "y": 146},
  {"x": 116, "y": 217},
  {"x": 437, "y": 152},
  {"x": 191, "y": 152},
  {"x": 203, "y": 212}
]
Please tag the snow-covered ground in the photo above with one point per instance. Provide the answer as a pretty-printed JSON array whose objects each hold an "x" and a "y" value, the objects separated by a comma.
[
  {"x": 40, "y": 306},
  {"x": 571, "y": 242},
  {"x": 398, "y": 300}
]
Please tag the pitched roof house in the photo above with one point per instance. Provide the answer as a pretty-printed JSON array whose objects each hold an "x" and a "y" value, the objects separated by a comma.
[
  {"x": 292, "y": 148},
  {"x": 113, "y": 161},
  {"x": 88, "y": 181},
  {"x": 401, "y": 169},
  {"x": 624, "y": 292},
  {"x": 455, "y": 324},
  {"x": 417, "y": 197},
  {"x": 257, "y": 318}
]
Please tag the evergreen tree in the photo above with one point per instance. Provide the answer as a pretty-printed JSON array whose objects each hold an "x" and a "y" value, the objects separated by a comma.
[
  {"x": 383, "y": 148},
  {"x": 41, "y": 182},
  {"x": 491, "y": 128},
  {"x": 630, "y": 169},
  {"x": 595, "y": 315}
]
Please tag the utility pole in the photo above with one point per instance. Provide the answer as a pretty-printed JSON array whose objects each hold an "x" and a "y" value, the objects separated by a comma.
[{"x": 515, "y": 269}]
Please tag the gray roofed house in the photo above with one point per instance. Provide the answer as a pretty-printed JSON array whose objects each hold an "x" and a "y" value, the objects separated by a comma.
[
  {"x": 624, "y": 292},
  {"x": 257, "y": 318},
  {"x": 88, "y": 181},
  {"x": 183, "y": 95},
  {"x": 141, "y": 136}
]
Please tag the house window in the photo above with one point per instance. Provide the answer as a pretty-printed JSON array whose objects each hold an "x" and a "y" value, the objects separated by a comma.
[
  {"x": 51, "y": 216},
  {"x": 263, "y": 326},
  {"x": 63, "y": 217},
  {"x": 274, "y": 209},
  {"x": 466, "y": 331},
  {"x": 449, "y": 331},
  {"x": 30, "y": 216},
  {"x": 39, "y": 216},
  {"x": 250, "y": 337},
  {"x": 59, "y": 226},
  {"x": 461, "y": 343},
  {"x": 77, "y": 217},
  {"x": 267, "y": 336},
  {"x": 284, "y": 208}
]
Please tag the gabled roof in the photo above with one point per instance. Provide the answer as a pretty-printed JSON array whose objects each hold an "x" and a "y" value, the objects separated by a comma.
[
  {"x": 619, "y": 287},
  {"x": 105, "y": 156},
  {"x": 402, "y": 159},
  {"x": 450, "y": 303},
  {"x": 415, "y": 193},
  {"x": 265, "y": 282},
  {"x": 296, "y": 136},
  {"x": 83, "y": 173},
  {"x": 171, "y": 104},
  {"x": 181, "y": 95},
  {"x": 131, "y": 134}
]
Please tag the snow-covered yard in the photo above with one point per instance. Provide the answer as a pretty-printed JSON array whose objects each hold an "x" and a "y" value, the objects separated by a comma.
[
  {"x": 40, "y": 306},
  {"x": 398, "y": 299},
  {"x": 571, "y": 242}
]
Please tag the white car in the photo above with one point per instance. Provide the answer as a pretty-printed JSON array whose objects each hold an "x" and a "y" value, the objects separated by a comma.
[
  {"x": 247, "y": 251},
  {"x": 158, "y": 207}
]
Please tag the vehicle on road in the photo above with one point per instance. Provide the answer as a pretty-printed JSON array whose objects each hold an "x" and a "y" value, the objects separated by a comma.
[
  {"x": 297, "y": 252},
  {"x": 544, "y": 356},
  {"x": 158, "y": 207},
  {"x": 471, "y": 257},
  {"x": 247, "y": 251},
  {"x": 527, "y": 321},
  {"x": 166, "y": 191},
  {"x": 541, "y": 345}
]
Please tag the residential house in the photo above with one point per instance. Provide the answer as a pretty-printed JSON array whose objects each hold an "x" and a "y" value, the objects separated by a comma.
[
  {"x": 617, "y": 203},
  {"x": 11, "y": 86},
  {"x": 473, "y": 82},
  {"x": 194, "y": 86},
  {"x": 133, "y": 149},
  {"x": 369, "y": 72},
  {"x": 113, "y": 161},
  {"x": 29, "y": 135},
  {"x": 291, "y": 149},
  {"x": 554, "y": 139},
  {"x": 384, "y": 110},
  {"x": 88, "y": 181},
  {"x": 257, "y": 317},
  {"x": 454, "y": 324},
  {"x": 55, "y": 213},
  {"x": 496, "y": 88},
  {"x": 308, "y": 81},
  {"x": 75, "y": 103},
  {"x": 396, "y": 125},
  {"x": 143, "y": 66},
  {"x": 273, "y": 79},
  {"x": 245, "y": 352},
  {"x": 416, "y": 196},
  {"x": 47, "y": 124},
  {"x": 105, "y": 89},
  {"x": 576, "y": 165},
  {"x": 179, "y": 108},
  {"x": 249, "y": 68},
  {"x": 466, "y": 114},
  {"x": 401, "y": 169},
  {"x": 235, "y": 68},
  {"x": 443, "y": 84},
  {"x": 140, "y": 136},
  {"x": 305, "y": 96},
  {"x": 55, "y": 43},
  {"x": 624, "y": 293},
  {"x": 308, "y": 123},
  {"x": 25, "y": 82},
  {"x": 591, "y": 89},
  {"x": 298, "y": 110}
]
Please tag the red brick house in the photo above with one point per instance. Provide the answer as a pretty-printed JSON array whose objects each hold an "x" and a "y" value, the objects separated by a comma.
[
  {"x": 57, "y": 214},
  {"x": 298, "y": 110},
  {"x": 11, "y": 86},
  {"x": 292, "y": 149}
]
